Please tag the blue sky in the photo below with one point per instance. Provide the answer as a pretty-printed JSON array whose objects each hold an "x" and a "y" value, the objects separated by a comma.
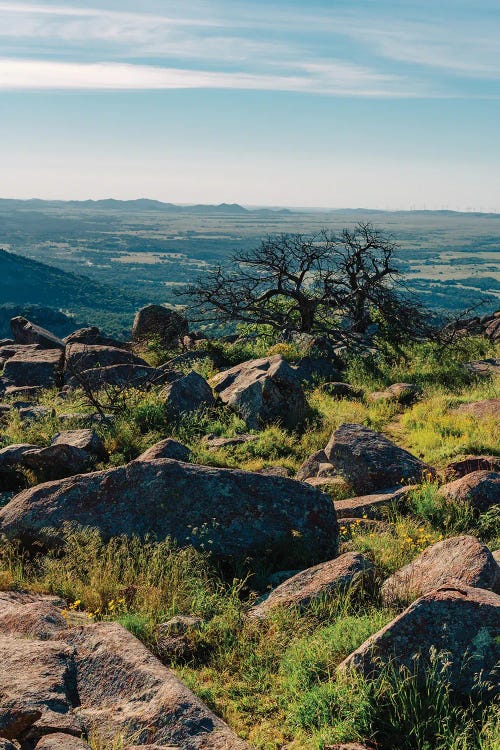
[{"x": 363, "y": 103}]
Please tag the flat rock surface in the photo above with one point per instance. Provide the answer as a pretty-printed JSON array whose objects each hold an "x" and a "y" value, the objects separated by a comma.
[
  {"x": 487, "y": 409},
  {"x": 371, "y": 505}
]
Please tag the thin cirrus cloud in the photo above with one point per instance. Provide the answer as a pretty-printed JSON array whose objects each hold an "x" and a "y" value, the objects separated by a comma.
[{"x": 224, "y": 45}]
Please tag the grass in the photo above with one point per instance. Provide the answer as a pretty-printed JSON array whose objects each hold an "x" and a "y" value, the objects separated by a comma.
[{"x": 275, "y": 682}]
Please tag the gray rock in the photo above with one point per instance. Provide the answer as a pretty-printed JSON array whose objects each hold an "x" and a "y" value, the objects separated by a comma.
[
  {"x": 233, "y": 513},
  {"x": 186, "y": 395},
  {"x": 140, "y": 377},
  {"x": 85, "y": 439},
  {"x": 94, "y": 337},
  {"x": 61, "y": 741},
  {"x": 337, "y": 389},
  {"x": 40, "y": 367},
  {"x": 25, "y": 332},
  {"x": 161, "y": 323},
  {"x": 484, "y": 367},
  {"x": 34, "y": 413},
  {"x": 82, "y": 357},
  {"x": 214, "y": 443},
  {"x": 461, "y": 559},
  {"x": 481, "y": 489},
  {"x": 372, "y": 505},
  {"x": 370, "y": 461},
  {"x": 263, "y": 391},
  {"x": 314, "y": 370},
  {"x": 324, "y": 580},
  {"x": 166, "y": 449},
  {"x": 458, "y": 621},
  {"x": 487, "y": 409},
  {"x": 57, "y": 461},
  {"x": 469, "y": 464}
]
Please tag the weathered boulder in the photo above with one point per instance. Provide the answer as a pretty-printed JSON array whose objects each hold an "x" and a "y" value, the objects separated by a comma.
[
  {"x": 186, "y": 395},
  {"x": 484, "y": 367},
  {"x": 141, "y": 377},
  {"x": 161, "y": 323},
  {"x": 94, "y": 337},
  {"x": 24, "y": 392},
  {"x": 12, "y": 455},
  {"x": 166, "y": 449},
  {"x": 469, "y": 464},
  {"x": 481, "y": 489},
  {"x": 25, "y": 332},
  {"x": 213, "y": 443},
  {"x": 460, "y": 622},
  {"x": 35, "y": 413},
  {"x": 78, "y": 680},
  {"x": 11, "y": 350},
  {"x": 61, "y": 741},
  {"x": 57, "y": 461},
  {"x": 372, "y": 505},
  {"x": 487, "y": 409},
  {"x": 233, "y": 513},
  {"x": 81, "y": 357},
  {"x": 403, "y": 393},
  {"x": 370, "y": 461},
  {"x": 312, "y": 370},
  {"x": 85, "y": 439},
  {"x": 38, "y": 367},
  {"x": 326, "y": 579},
  {"x": 173, "y": 639},
  {"x": 461, "y": 559},
  {"x": 262, "y": 391},
  {"x": 123, "y": 688}
]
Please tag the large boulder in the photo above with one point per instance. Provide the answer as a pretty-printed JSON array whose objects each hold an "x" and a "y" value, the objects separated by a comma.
[
  {"x": 81, "y": 357},
  {"x": 481, "y": 489},
  {"x": 372, "y": 506},
  {"x": 60, "y": 683},
  {"x": 323, "y": 580},
  {"x": 458, "y": 622},
  {"x": 315, "y": 370},
  {"x": 231, "y": 512},
  {"x": 25, "y": 332},
  {"x": 263, "y": 391},
  {"x": 167, "y": 448},
  {"x": 187, "y": 394},
  {"x": 94, "y": 337},
  {"x": 460, "y": 559},
  {"x": 39, "y": 367},
  {"x": 161, "y": 323},
  {"x": 403, "y": 393},
  {"x": 467, "y": 465},
  {"x": 484, "y": 367},
  {"x": 370, "y": 461},
  {"x": 140, "y": 377},
  {"x": 85, "y": 439},
  {"x": 57, "y": 461}
]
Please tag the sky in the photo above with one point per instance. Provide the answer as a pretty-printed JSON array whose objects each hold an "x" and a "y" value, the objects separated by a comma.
[{"x": 324, "y": 103}]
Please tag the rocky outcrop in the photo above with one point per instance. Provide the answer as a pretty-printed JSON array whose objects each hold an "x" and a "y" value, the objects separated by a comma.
[
  {"x": 34, "y": 367},
  {"x": 481, "y": 489},
  {"x": 167, "y": 326},
  {"x": 370, "y": 461},
  {"x": 232, "y": 513},
  {"x": 458, "y": 621},
  {"x": 263, "y": 391},
  {"x": 461, "y": 559},
  {"x": 25, "y": 332},
  {"x": 94, "y": 337},
  {"x": 469, "y": 464},
  {"x": 342, "y": 574},
  {"x": 81, "y": 357},
  {"x": 166, "y": 449},
  {"x": 187, "y": 394},
  {"x": 63, "y": 683},
  {"x": 372, "y": 506}
]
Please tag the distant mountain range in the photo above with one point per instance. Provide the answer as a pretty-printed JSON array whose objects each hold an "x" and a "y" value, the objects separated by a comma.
[{"x": 140, "y": 204}]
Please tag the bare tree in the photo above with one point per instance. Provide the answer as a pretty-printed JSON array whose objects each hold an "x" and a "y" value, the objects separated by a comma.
[{"x": 330, "y": 285}]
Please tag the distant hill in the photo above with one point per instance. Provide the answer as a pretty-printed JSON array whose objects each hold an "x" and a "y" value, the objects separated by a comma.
[
  {"x": 27, "y": 284},
  {"x": 140, "y": 204}
]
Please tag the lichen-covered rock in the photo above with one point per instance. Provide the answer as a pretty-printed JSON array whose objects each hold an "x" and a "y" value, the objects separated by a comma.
[
  {"x": 457, "y": 559},
  {"x": 36, "y": 367},
  {"x": 231, "y": 512},
  {"x": 460, "y": 622},
  {"x": 56, "y": 461},
  {"x": 481, "y": 489},
  {"x": 404, "y": 393},
  {"x": 84, "y": 439},
  {"x": 489, "y": 408},
  {"x": 25, "y": 332},
  {"x": 94, "y": 337},
  {"x": 61, "y": 741},
  {"x": 263, "y": 391},
  {"x": 326, "y": 579},
  {"x": 187, "y": 394},
  {"x": 167, "y": 326},
  {"x": 469, "y": 464},
  {"x": 81, "y": 357},
  {"x": 166, "y": 449},
  {"x": 370, "y": 461},
  {"x": 31, "y": 615},
  {"x": 372, "y": 505},
  {"x": 140, "y": 377}
]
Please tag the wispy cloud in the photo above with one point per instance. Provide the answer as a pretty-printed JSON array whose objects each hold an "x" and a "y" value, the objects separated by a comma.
[{"x": 28, "y": 74}]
